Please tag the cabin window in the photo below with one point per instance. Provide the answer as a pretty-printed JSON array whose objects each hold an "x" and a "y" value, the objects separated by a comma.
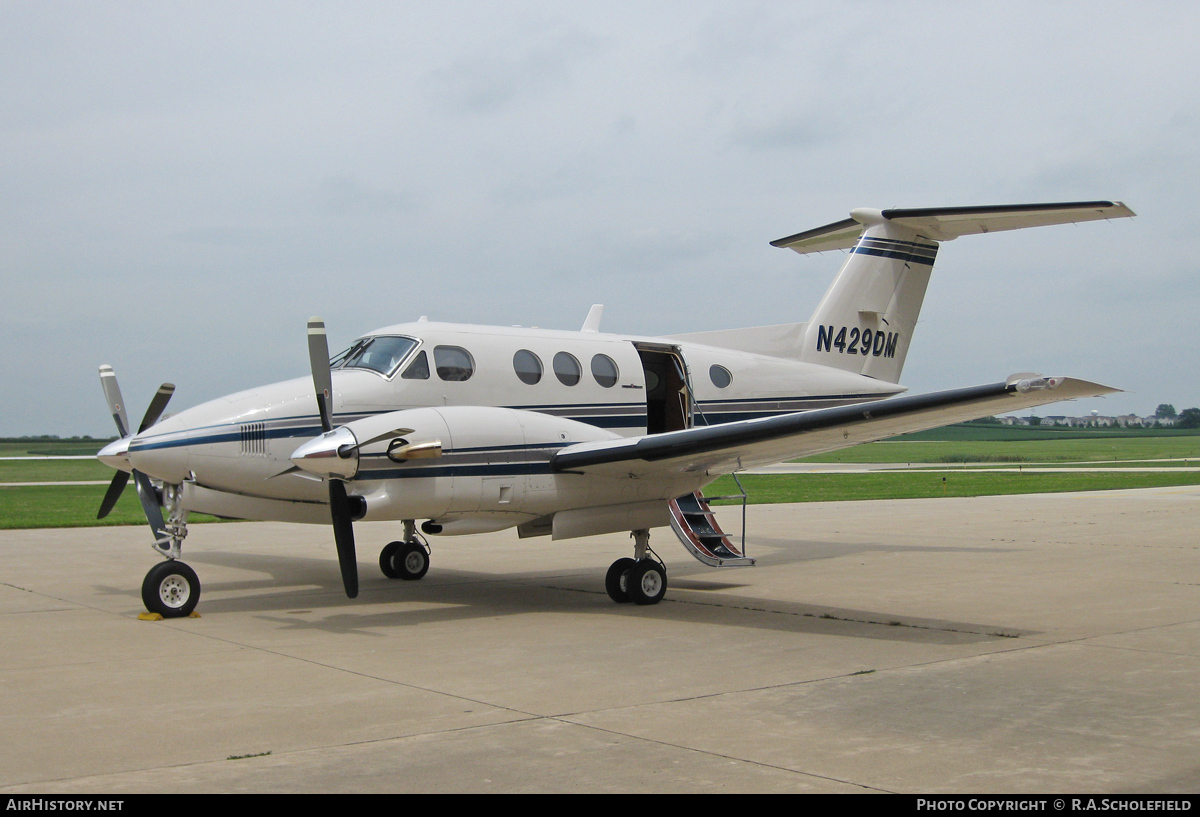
[
  {"x": 567, "y": 369},
  {"x": 418, "y": 369},
  {"x": 604, "y": 369},
  {"x": 719, "y": 376},
  {"x": 453, "y": 363},
  {"x": 528, "y": 366},
  {"x": 381, "y": 354}
]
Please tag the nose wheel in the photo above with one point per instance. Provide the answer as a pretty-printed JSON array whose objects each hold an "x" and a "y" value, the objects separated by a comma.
[{"x": 171, "y": 589}]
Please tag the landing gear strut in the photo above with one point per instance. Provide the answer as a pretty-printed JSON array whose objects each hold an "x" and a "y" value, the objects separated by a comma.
[
  {"x": 171, "y": 588},
  {"x": 407, "y": 559},
  {"x": 642, "y": 580}
]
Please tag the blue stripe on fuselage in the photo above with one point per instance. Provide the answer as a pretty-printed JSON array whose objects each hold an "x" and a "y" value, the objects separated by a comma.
[{"x": 309, "y": 426}]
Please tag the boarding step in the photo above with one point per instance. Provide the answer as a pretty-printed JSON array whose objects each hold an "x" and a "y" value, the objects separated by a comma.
[{"x": 696, "y": 526}]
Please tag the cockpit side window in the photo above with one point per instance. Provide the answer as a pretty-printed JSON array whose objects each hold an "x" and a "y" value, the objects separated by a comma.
[
  {"x": 418, "y": 369},
  {"x": 381, "y": 354}
]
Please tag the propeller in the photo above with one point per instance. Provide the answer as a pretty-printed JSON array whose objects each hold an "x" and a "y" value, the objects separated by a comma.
[
  {"x": 339, "y": 503},
  {"x": 117, "y": 453}
]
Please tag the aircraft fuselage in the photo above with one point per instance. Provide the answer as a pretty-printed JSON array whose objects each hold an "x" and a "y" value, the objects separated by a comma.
[{"x": 500, "y": 401}]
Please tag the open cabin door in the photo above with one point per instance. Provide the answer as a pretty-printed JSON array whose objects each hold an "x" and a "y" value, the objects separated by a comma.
[
  {"x": 669, "y": 407},
  {"x": 668, "y": 390}
]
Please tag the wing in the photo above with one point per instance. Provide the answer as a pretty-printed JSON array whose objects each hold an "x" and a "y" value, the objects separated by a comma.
[{"x": 730, "y": 447}]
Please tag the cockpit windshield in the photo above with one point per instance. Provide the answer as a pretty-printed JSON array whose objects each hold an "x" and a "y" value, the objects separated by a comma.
[{"x": 382, "y": 353}]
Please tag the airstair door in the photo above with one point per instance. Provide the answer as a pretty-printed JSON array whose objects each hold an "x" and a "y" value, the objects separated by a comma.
[{"x": 668, "y": 391}]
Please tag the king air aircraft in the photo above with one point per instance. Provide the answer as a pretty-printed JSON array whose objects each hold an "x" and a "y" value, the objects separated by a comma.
[{"x": 460, "y": 429}]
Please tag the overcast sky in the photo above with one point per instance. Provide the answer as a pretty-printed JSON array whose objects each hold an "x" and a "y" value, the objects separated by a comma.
[{"x": 183, "y": 184}]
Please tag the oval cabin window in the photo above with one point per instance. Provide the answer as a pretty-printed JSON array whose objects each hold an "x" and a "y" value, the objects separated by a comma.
[
  {"x": 567, "y": 369},
  {"x": 720, "y": 376},
  {"x": 604, "y": 369},
  {"x": 528, "y": 366}
]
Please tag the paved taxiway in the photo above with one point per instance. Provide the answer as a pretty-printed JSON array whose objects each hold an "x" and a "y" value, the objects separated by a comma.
[{"x": 999, "y": 644}]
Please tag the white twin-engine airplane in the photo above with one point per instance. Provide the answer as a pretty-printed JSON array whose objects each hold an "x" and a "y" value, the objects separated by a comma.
[{"x": 467, "y": 429}]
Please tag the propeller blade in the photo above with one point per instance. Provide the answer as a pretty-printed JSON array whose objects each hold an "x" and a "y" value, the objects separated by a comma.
[
  {"x": 113, "y": 494},
  {"x": 318, "y": 359},
  {"x": 339, "y": 504},
  {"x": 150, "y": 505},
  {"x": 155, "y": 409},
  {"x": 112, "y": 396},
  {"x": 343, "y": 535}
]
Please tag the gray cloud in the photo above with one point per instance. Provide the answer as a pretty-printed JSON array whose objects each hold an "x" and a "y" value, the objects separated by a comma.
[
  {"x": 181, "y": 185},
  {"x": 506, "y": 72}
]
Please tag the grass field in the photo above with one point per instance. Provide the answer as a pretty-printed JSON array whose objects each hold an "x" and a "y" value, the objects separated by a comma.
[
  {"x": 70, "y": 506},
  {"x": 47, "y": 470},
  {"x": 1003, "y": 433},
  {"x": 1049, "y": 450},
  {"x": 24, "y": 447},
  {"x": 766, "y": 489},
  {"x": 969, "y": 447}
]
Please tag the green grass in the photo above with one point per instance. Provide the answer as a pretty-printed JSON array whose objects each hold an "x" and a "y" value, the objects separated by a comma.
[
  {"x": 25, "y": 447},
  {"x": 776, "y": 488},
  {"x": 75, "y": 505},
  {"x": 70, "y": 506},
  {"x": 1053, "y": 449},
  {"x": 985, "y": 464},
  {"x": 1001, "y": 433},
  {"x": 53, "y": 470}
]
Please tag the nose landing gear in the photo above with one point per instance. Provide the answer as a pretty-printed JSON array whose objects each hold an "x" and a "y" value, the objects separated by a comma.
[{"x": 171, "y": 588}]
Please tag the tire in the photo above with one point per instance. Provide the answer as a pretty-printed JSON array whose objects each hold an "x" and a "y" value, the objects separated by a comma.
[
  {"x": 411, "y": 561},
  {"x": 615, "y": 581},
  {"x": 385, "y": 559},
  {"x": 647, "y": 582},
  {"x": 171, "y": 589}
]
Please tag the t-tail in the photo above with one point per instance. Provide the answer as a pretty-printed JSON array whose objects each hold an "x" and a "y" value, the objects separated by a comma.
[{"x": 865, "y": 322}]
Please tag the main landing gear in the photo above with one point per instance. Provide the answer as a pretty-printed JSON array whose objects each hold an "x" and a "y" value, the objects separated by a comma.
[
  {"x": 407, "y": 559},
  {"x": 642, "y": 580}
]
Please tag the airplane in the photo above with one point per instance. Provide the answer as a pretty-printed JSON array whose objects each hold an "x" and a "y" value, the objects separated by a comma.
[{"x": 468, "y": 429}]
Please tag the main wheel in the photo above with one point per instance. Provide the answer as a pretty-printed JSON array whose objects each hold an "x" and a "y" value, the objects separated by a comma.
[
  {"x": 647, "y": 582},
  {"x": 171, "y": 589},
  {"x": 411, "y": 561},
  {"x": 385, "y": 559},
  {"x": 616, "y": 582}
]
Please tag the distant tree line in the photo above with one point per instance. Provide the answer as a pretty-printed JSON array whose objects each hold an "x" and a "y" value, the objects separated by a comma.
[{"x": 1188, "y": 418}]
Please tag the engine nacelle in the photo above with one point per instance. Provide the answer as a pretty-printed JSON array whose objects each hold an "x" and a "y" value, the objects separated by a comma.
[{"x": 428, "y": 463}]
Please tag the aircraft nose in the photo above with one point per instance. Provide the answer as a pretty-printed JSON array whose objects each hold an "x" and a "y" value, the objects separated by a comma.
[
  {"x": 162, "y": 451},
  {"x": 116, "y": 455}
]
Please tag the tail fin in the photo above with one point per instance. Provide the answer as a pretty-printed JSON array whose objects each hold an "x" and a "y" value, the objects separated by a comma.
[{"x": 865, "y": 321}]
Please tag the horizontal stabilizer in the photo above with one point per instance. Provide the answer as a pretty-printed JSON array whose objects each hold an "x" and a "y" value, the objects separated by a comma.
[{"x": 948, "y": 223}]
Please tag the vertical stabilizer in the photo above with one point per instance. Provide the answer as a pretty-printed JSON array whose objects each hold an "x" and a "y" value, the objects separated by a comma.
[{"x": 866, "y": 320}]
